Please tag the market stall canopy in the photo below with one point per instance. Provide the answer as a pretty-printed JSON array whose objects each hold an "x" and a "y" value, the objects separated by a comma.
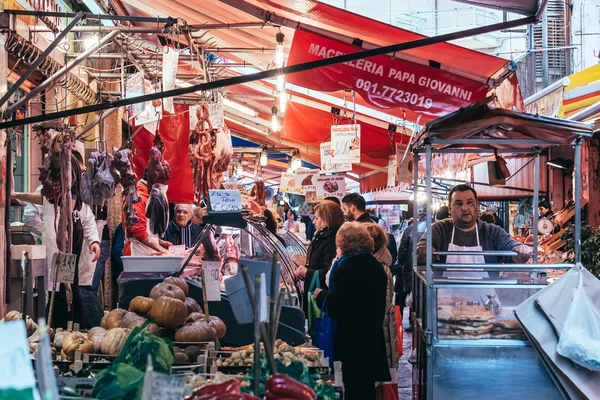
[
  {"x": 483, "y": 126},
  {"x": 523, "y": 7}
]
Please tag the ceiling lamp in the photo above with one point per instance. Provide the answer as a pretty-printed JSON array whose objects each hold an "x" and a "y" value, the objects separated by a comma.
[
  {"x": 275, "y": 127},
  {"x": 280, "y": 83},
  {"x": 279, "y": 50},
  {"x": 283, "y": 100},
  {"x": 264, "y": 160}
]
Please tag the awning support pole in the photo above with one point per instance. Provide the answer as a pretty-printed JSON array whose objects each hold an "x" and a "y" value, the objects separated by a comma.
[
  {"x": 273, "y": 72},
  {"x": 536, "y": 202},
  {"x": 577, "y": 184},
  {"x": 40, "y": 59}
]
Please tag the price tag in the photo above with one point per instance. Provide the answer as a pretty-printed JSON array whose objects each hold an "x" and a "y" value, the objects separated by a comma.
[
  {"x": 63, "y": 264},
  {"x": 169, "y": 75},
  {"x": 17, "y": 370},
  {"x": 162, "y": 386},
  {"x": 216, "y": 113},
  {"x": 225, "y": 200},
  {"x": 345, "y": 143},
  {"x": 134, "y": 87},
  {"x": 230, "y": 186},
  {"x": 327, "y": 165},
  {"x": 288, "y": 184},
  {"x": 211, "y": 271},
  {"x": 330, "y": 186},
  {"x": 306, "y": 178}
]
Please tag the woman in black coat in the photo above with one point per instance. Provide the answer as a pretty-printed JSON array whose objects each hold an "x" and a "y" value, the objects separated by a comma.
[
  {"x": 321, "y": 251},
  {"x": 356, "y": 299}
]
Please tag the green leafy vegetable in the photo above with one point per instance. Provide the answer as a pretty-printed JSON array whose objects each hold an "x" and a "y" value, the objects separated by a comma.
[
  {"x": 119, "y": 381},
  {"x": 140, "y": 344}
]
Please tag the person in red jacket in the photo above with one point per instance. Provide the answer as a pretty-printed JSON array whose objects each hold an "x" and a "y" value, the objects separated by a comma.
[{"x": 139, "y": 241}]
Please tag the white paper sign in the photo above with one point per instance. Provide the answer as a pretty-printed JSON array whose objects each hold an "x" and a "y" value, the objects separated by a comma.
[
  {"x": 152, "y": 114},
  {"x": 391, "y": 181},
  {"x": 216, "y": 114},
  {"x": 306, "y": 179},
  {"x": 345, "y": 143},
  {"x": 17, "y": 371},
  {"x": 330, "y": 186},
  {"x": 134, "y": 87},
  {"x": 327, "y": 165},
  {"x": 225, "y": 200},
  {"x": 211, "y": 271},
  {"x": 288, "y": 183},
  {"x": 162, "y": 386},
  {"x": 169, "y": 74},
  {"x": 63, "y": 264}
]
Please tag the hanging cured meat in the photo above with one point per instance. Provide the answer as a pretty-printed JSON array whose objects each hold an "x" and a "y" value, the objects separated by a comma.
[
  {"x": 50, "y": 170},
  {"x": 157, "y": 175},
  {"x": 99, "y": 181},
  {"x": 124, "y": 165},
  {"x": 210, "y": 152},
  {"x": 159, "y": 170}
]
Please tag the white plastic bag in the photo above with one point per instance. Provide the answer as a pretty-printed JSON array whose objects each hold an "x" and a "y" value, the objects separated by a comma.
[{"x": 580, "y": 337}]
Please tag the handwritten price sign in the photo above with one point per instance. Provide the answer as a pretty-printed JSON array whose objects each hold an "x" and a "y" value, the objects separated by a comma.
[
  {"x": 211, "y": 271},
  {"x": 225, "y": 200},
  {"x": 327, "y": 165},
  {"x": 345, "y": 143},
  {"x": 63, "y": 264}
]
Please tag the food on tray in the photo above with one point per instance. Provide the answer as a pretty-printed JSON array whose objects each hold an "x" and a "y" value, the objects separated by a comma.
[
  {"x": 464, "y": 313},
  {"x": 243, "y": 356},
  {"x": 330, "y": 187}
]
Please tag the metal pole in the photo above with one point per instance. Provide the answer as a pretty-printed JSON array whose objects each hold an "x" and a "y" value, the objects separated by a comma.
[
  {"x": 91, "y": 16},
  {"x": 40, "y": 59},
  {"x": 256, "y": 368},
  {"x": 545, "y": 72},
  {"x": 7, "y": 214},
  {"x": 415, "y": 208},
  {"x": 430, "y": 306},
  {"x": 272, "y": 73},
  {"x": 52, "y": 80},
  {"x": 577, "y": 194},
  {"x": 536, "y": 202}
]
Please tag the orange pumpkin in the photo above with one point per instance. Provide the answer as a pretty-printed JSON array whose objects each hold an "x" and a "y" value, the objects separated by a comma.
[
  {"x": 195, "y": 316},
  {"x": 192, "y": 305},
  {"x": 96, "y": 335},
  {"x": 179, "y": 282},
  {"x": 168, "y": 312},
  {"x": 76, "y": 341},
  {"x": 219, "y": 326},
  {"x": 30, "y": 324},
  {"x": 113, "y": 319},
  {"x": 114, "y": 340},
  {"x": 131, "y": 320},
  {"x": 141, "y": 305},
  {"x": 195, "y": 332},
  {"x": 153, "y": 329},
  {"x": 167, "y": 290}
]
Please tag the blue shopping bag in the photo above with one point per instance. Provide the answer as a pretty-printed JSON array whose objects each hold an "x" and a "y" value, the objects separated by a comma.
[
  {"x": 313, "y": 310},
  {"x": 323, "y": 328}
]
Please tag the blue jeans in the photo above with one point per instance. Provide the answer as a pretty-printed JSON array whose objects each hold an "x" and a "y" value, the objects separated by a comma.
[
  {"x": 92, "y": 309},
  {"x": 101, "y": 264}
]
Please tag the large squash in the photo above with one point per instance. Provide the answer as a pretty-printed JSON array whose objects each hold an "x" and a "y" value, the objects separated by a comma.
[
  {"x": 141, "y": 305},
  {"x": 215, "y": 322},
  {"x": 153, "y": 329},
  {"x": 113, "y": 319},
  {"x": 195, "y": 332},
  {"x": 167, "y": 290},
  {"x": 76, "y": 341},
  {"x": 195, "y": 316},
  {"x": 96, "y": 335},
  {"x": 168, "y": 312},
  {"x": 114, "y": 340},
  {"x": 179, "y": 282},
  {"x": 30, "y": 324},
  {"x": 192, "y": 305},
  {"x": 131, "y": 319}
]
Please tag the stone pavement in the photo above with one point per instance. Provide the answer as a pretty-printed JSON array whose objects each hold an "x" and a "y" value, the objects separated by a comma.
[{"x": 405, "y": 368}]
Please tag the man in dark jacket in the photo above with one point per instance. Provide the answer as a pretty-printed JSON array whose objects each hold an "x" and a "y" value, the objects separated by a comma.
[
  {"x": 354, "y": 206},
  {"x": 181, "y": 230}
]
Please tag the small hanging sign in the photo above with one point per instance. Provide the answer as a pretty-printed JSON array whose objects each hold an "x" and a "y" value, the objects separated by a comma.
[
  {"x": 225, "y": 200},
  {"x": 391, "y": 181},
  {"x": 211, "y": 271},
  {"x": 63, "y": 265},
  {"x": 169, "y": 75},
  {"x": 327, "y": 165},
  {"x": 330, "y": 186},
  {"x": 345, "y": 143},
  {"x": 306, "y": 179},
  {"x": 134, "y": 87}
]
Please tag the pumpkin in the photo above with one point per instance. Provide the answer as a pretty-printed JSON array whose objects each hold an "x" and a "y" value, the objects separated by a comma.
[
  {"x": 76, "y": 341},
  {"x": 168, "y": 312},
  {"x": 193, "y": 352},
  {"x": 179, "y": 282},
  {"x": 114, "y": 340},
  {"x": 96, "y": 335},
  {"x": 153, "y": 329},
  {"x": 180, "y": 358},
  {"x": 141, "y": 305},
  {"x": 192, "y": 305},
  {"x": 219, "y": 326},
  {"x": 167, "y": 290},
  {"x": 59, "y": 337},
  {"x": 113, "y": 319},
  {"x": 195, "y": 332},
  {"x": 30, "y": 324},
  {"x": 195, "y": 316},
  {"x": 131, "y": 319}
]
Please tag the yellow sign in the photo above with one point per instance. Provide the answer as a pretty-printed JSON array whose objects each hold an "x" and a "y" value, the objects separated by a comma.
[{"x": 551, "y": 105}]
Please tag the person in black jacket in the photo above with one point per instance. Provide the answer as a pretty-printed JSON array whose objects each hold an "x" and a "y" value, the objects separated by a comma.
[
  {"x": 322, "y": 250},
  {"x": 354, "y": 206},
  {"x": 357, "y": 288},
  {"x": 181, "y": 229}
]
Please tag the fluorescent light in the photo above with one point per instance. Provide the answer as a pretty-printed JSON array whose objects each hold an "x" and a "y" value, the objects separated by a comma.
[
  {"x": 245, "y": 125},
  {"x": 279, "y": 56},
  {"x": 282, "y": 101},
  {"x": 246, "y": 110},
  {"x": 280, "y": 82},
  {"x": 275, "y": 126}
]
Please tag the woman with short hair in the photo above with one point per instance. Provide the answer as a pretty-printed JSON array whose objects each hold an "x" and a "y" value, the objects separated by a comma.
[{"x": 356, "y": 299}]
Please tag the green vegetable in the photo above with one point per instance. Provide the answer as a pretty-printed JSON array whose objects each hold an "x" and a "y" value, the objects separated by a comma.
[
  {"x": 140, "y": 344},
  {"x": 14, "y": 394},
  {"x": 119, "y": 381}
]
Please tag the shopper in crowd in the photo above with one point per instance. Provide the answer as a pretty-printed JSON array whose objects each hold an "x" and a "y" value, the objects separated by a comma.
[
  {"x": 334, "y": 199},
  {"x": 391, "y": 242},
  {"x": 545, "y": 209},
  {"x": 310, "y": 227},
  {"x": 485, "y": 217},
  {"x": 322, "y": 249},
  {"x": 442, "y": 213},
  {"x": 181, "y": 230},
  {"x": 493, "y": 211},
  {"x": 271, "y": 225},
  {"x": 116, "y": 263},
  {"x": 390, "y": 325},
  {"x": 404, "y": 270},
  {"x": 198, "y": 214},
  {"x": 139, "y": 240},
  {"x": 354, "y": 206},
  {"x": 465, "y": 232},
  {"x": 290, "y": 222},
  {"x": 357, "y": 286}
]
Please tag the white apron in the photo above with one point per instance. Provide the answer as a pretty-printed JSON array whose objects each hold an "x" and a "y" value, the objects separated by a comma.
[
  {"x": 460, "y": 259},
  {"x": 140, "y": 249}
]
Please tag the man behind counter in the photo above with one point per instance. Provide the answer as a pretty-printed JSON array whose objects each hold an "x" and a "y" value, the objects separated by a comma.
[{"x": 465, "y": 232}]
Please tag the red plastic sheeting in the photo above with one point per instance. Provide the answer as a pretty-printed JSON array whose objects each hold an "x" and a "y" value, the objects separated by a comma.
[{"x": 174, "y": 130}]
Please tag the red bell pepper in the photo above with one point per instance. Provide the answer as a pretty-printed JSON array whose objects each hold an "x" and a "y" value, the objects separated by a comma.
[
  {"x": 228, "y": 387},
  {"x": 284, "y": 386}
]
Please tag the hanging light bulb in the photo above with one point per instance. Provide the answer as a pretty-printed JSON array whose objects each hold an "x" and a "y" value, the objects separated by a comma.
[
  {"x": 275, "y": 127},
  {"x": 283, "y": 100},
  {"x": 280, "y": 83},
  {"x": 264, "y": 159},
  {"x": 279, "y": 50}
]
